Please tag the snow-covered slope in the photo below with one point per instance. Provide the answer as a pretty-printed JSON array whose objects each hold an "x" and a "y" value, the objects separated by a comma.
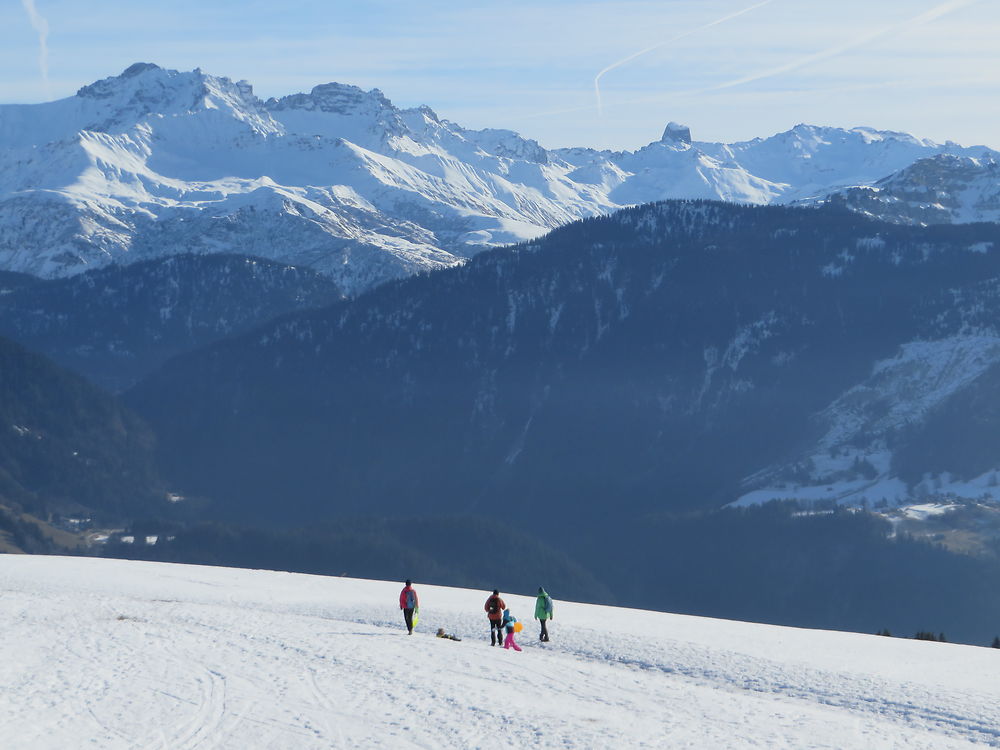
[
  {"x": 114, "y": 654},
  {"x": 851, "y": 463},
  {"x": 857, "y": 461},
  {"x": 155, "y": 162}
]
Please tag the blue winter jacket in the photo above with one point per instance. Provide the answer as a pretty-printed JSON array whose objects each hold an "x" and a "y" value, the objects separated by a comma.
[{"x": 508, "y": 621}]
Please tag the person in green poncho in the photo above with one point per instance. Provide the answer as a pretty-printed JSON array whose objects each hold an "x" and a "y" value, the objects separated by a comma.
[{"x": 543, "y": 612}]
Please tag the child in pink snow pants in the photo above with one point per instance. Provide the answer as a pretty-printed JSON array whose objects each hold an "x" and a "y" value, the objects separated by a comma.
[{"x": 508, "y": 623}]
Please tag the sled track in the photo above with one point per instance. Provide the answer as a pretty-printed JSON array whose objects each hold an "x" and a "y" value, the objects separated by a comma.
[
  {"x": 202, "y": 731},
  {"x": 331, "y": 731}
]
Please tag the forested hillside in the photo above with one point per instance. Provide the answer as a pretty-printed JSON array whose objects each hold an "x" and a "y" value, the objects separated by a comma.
[{"x": 67, "y": 447}]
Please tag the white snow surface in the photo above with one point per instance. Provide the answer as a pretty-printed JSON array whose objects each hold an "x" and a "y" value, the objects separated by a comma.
[
  {"x": 117, "y": 654},
  {"x": 927, "y": 510},
  {"x": 155, "y": 162}
]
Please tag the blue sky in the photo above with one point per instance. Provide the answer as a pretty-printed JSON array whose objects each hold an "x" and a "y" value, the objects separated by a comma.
[{"x": 930, "y": 67}]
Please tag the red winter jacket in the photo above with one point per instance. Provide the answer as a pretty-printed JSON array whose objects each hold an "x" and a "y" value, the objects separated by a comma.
[
  {"x": 402, "y": 598},
  {"x": 498, "y": 615}
]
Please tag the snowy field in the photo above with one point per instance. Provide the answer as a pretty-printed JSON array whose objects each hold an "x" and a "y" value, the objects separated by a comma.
[{"x": 114, "y": 654}]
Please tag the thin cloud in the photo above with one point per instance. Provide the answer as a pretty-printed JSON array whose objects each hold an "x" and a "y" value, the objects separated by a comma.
[
  {"x": 924, "y": 18},
  {"x": 41, "y": 27},
  {"x": 671, "y": 40},
  {"x": 933, "y": 14}
]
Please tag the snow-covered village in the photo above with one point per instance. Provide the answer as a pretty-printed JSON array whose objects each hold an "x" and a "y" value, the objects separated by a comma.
[{"x": 602, "y": 375}]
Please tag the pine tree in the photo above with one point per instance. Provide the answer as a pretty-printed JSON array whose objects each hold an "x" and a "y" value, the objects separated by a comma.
[{"x": 996, "y": 641}]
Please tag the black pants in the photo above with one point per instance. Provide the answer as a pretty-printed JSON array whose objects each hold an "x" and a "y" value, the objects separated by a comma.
[
  {"x": 544, "y": 635},
  {"x": 408, "y": 617},
  {"x": 496, "y": 632}
]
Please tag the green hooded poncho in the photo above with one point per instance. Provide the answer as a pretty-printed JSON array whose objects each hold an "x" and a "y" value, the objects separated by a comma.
[{"x": 543, "y": 605}]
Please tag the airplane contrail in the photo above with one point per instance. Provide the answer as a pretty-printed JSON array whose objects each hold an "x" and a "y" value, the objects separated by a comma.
[
  {"x": 926, "y": 17},
  {"x": 664, "y": 43},
  {"x": 41, "y": 27}
]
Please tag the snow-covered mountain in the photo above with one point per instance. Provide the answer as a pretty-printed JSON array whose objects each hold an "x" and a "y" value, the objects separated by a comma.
[
  {"x": 112, "y": 654},
  {"x": 941, "y": 189},
  {"x": 155, "y": 162}
]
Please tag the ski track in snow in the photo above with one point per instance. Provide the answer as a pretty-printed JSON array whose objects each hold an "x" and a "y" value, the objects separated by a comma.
[{"x": 115, "y": 654}]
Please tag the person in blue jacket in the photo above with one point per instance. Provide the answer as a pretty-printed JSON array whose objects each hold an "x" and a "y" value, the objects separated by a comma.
[{"x": 508, "y": 624}]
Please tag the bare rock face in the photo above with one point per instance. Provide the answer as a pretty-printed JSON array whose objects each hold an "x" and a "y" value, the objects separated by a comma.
[{"x": 676, "y": 132}]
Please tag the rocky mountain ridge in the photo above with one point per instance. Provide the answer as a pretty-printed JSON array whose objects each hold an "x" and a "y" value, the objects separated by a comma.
[{"x": 942, "y": 189}]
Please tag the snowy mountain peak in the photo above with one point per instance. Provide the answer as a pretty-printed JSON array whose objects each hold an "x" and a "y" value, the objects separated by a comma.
[
  {"x": 871, "y": 135},
  {"x": 429, "y": 113},
  {"x": 136, "y": 68},
  {"x": 812, "y": 136},
  {"x": 508, "y": 145},
  {"x": 337, "y": 98},
  {"x": 145, "y": 89},
  {"x": 107, "y": 87},
  {"x": 676, "y": 132}
]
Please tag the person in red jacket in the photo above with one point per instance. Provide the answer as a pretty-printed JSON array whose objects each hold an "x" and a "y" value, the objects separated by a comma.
[
  {"x": 494, "y": 610},
  {"x": 408, "y": 602}
]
